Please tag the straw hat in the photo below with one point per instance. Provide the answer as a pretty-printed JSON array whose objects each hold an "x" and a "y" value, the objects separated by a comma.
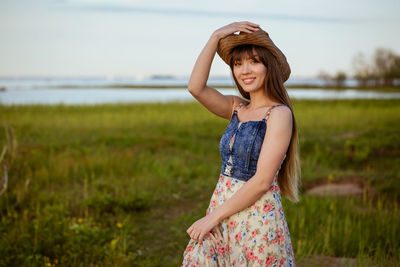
[{"x": 260, "y": 38}]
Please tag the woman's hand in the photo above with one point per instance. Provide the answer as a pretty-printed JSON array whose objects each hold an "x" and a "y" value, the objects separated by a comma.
[
  {"x": 202, "y": 226},
  {"x": 243, "y": 26}
]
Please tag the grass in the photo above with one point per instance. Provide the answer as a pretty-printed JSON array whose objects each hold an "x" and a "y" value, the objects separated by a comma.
[{"x": 116, "y": 185}]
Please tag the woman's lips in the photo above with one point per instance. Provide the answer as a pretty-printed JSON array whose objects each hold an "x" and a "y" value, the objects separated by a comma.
[{"x": 248, "y": 81}]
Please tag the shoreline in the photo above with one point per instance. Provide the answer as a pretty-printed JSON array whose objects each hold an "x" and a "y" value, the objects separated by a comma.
[{"x": 180, "y": 86}]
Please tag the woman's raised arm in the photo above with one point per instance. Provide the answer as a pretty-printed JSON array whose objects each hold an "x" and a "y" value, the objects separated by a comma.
[{"x": 217, "y": 103}]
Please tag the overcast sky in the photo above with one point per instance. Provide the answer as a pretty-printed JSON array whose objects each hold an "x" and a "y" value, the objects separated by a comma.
[{"x": 142, "y": 38}]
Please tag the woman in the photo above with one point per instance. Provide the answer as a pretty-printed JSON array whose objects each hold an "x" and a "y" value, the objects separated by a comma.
[{"x": 244, "y": 223}]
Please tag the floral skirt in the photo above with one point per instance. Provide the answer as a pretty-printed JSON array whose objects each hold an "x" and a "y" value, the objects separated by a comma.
[{"x": 255, "y": 236}]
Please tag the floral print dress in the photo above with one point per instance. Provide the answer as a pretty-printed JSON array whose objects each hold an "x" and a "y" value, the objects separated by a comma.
[{"x": 255, "y": 236}]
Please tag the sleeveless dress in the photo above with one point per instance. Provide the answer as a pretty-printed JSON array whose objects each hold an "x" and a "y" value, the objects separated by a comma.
[{"x": 255, "y": 236}]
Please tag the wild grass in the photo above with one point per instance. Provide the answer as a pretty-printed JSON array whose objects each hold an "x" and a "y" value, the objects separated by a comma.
[{"x": 119, "y": 184}]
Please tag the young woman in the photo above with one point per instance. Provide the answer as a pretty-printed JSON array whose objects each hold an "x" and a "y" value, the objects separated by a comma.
[{"x": 245, "y": 223}]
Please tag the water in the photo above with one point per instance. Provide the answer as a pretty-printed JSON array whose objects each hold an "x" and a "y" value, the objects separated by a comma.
[{"x": 98, "y": 91}]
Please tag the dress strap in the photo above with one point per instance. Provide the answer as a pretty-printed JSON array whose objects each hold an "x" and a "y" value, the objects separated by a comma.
[
  {"x": 269, "y": 110},
  {"x": 239, "y": 105}
]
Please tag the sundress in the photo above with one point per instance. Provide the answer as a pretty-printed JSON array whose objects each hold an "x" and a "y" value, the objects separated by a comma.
[{"x": 255, "y": 236}]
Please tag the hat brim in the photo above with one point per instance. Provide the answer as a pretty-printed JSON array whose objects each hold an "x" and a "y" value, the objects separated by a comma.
[{"x": 259, "y": 38}]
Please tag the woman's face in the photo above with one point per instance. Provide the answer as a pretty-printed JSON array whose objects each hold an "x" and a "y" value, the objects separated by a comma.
[{"x": 250, "y": 72}]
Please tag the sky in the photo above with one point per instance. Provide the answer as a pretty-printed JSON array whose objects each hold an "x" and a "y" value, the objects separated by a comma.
[{"x": 118, "y": 38}]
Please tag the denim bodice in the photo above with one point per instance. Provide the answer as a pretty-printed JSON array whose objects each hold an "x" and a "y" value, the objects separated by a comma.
[{"x": 240, "y": 146}]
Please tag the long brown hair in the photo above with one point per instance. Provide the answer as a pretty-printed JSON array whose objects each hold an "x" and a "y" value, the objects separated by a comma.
[{"x": 289, "y": 175}]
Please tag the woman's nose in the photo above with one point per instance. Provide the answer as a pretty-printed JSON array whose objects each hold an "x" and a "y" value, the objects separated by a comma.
[{"x": 246, "y": 68}]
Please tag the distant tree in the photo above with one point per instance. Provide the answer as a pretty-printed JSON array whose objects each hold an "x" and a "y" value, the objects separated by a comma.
[
  {"x": 325, "y": 76},
  {"x": 362, "y": 70},
  {"x": 395, "y": 70},
  {"x": 340, "y": 78},
  {"x": 387, "y": 65},
  {"x": 384, "y": 60},
  {"x": 384, "y": 68}
]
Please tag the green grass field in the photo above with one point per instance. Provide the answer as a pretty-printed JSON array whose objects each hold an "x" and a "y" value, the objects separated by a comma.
[{"x": 118, "y": 185}]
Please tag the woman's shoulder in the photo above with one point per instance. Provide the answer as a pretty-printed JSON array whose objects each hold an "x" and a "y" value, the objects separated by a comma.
[
  {"x": 281, "y": 108},
  {"x": 237, "y": 101},
  {"x": 280, "y": 116}
]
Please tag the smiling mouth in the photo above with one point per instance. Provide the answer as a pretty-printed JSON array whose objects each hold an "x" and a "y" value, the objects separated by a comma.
[{"x": 248, "y": 81}]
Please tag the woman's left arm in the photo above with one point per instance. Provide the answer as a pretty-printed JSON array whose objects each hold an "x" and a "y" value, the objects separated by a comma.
[{"x": 275, "y": 144}]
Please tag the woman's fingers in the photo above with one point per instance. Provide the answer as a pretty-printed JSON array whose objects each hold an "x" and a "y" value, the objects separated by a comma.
[
  {"x": 201, "y": 236},
  {"x": 243, "y": 26},
  {"x": 194, "y": 233},
  {"x": 249, "y": 25},
  {"x": 189, "y": 230},
  {"x": 195, "y": 236},
  {"x": 248, "y": 28}
]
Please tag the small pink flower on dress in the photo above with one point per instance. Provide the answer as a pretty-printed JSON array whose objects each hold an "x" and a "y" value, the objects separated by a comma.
[
  {"x": 231, "y": 224},
  {"x": 228, "y": 183},
  {"x": 281, "y": 237},
  {"x": 247, "y": 223},
  {"x": 267, "y": 207},
  {"x": 250, "y": 255},
  {"x": 216, "y": 192},
  {"x": 221, "y": 250},
  {"x": 189, "y": 248},
  {"x": 253, "y": 233},
  {"x": 271, "y": 188},
  {"x": 269, "y": 261},
  {"x": 213, "y": 203},
  {"x": 266, "y": 222},
  {"x": 238, "y": 236},
  {"x": 281, "y": 262},
  {"x": 255, "y": 207},
  {"x": 261, "y": 249}
]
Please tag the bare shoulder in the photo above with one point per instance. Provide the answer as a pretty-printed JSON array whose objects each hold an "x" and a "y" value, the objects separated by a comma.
[
  {"x": 236, "y": 100},
  {"x": 282, "y": 110},
  {"x": 281, "y": 118}
]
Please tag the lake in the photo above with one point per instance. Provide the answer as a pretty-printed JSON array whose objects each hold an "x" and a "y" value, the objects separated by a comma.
[{"x": 98, "y": 91}]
